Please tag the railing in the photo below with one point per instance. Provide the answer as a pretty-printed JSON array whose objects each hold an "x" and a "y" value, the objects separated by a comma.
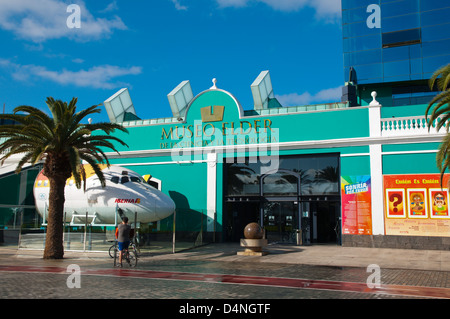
[
  {"x": 185, "y": 229},
  {"x": 264, "y": 112},
  {"x": 411, "y": 125}
]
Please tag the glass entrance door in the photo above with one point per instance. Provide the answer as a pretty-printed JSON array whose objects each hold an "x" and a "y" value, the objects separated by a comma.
[
  {"x": 281, "y": 221},
  {"x": 321, "y": 222},
  {"x": 239, "y": 215}
]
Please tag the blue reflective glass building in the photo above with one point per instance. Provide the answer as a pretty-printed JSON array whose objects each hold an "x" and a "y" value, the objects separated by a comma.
[{"x": 395, "y": 46}]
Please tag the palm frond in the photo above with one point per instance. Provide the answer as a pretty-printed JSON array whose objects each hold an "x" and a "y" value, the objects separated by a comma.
[
  {"x": 440, "y": 104},
  {"x": 37, "y": 135}
]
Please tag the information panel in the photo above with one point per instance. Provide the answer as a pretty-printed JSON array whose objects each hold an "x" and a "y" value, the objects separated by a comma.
[
  {"x": 356, "y": 205},
  {"x": 416, "y": 205}
]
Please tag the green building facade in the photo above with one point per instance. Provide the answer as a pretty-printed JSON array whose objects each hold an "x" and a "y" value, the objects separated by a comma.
[
  {"x": 328, "y": 173},
  {"x": 322, "y": 171}
]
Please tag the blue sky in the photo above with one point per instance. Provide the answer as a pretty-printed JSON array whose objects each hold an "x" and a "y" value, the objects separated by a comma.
[{"x": 150, "y": 46}]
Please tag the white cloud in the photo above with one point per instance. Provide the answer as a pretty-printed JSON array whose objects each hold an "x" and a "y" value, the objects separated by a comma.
[
  {"x": 329, "y": 10},
  {"x": 286, "y": 5},
  {"x": 111, "y": 7},
  {"x": 327, "y": 7},
  {"x": 295, "y": 99},
  {"x": 41, "y": 20},
  {"x": 102, "y": 77},
  {"x": 232, "y": 3},
  {"x": 77, "y": 60},
  {"x": 178, "y": 5}
]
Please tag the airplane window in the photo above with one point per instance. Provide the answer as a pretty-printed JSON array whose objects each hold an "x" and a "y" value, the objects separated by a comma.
[
  {"x": 115, "y": 179},
  {"x": 124, "y": 179},
  {"x": 153, "y": 184},
  {"x": 135, "y": 179}
]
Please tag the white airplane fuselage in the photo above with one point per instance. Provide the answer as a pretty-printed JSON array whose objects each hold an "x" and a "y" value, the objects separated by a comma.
[{"x": 125, "y": 192}]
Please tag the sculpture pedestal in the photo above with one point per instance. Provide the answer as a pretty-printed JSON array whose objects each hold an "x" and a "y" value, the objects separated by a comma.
[{"x": 253, "y": 247}]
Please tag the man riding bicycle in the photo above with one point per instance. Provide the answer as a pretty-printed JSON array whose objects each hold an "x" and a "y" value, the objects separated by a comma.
[{"x": 124, "y": 233}]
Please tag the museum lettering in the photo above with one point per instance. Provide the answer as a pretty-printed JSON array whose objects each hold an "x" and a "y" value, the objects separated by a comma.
[
  {"x": 228, "y": 133},
  {"x": 208, "y": 129}
]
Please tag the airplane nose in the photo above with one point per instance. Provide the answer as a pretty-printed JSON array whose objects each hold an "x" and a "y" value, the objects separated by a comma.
[
  {"x": 164, "y": 206},
  {"x": 156, "y": 205}
]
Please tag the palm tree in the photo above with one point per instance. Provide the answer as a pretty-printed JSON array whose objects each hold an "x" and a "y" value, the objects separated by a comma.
[
  {"x": 62, "y": 143},
  {"x": 442, "y": 111}
]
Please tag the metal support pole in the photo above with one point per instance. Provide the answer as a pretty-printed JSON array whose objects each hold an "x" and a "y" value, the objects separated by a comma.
[
  {"x": 115, "y": 216},
  {"x": 85, "y": 229},
  {"x": 115, "y": 253},
  {"x": 68, "y": 238},
  {"x": 64, "y": 226},
  {"x": 135, "y": 228},
  {"x": 201, "y": 229},
  {"x": 173, "y": 234}
]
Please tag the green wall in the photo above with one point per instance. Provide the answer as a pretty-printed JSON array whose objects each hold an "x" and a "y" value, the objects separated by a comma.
[
  {"x": 410, "y": 164},
  {"x": 186, "y": 183}
]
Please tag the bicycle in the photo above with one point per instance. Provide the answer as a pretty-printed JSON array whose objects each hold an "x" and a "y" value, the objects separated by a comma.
[
  {"x": 129, "y": 256},
  {"x": 114, "y": 247}
]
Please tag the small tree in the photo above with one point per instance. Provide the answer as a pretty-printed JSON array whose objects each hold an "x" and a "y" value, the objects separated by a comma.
[{"x": 62, "y": 142}]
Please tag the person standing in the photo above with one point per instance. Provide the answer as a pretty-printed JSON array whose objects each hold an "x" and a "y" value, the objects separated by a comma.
[{"x": 123, "y": 237}]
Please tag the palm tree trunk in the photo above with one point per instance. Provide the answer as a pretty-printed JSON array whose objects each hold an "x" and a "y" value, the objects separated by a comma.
[{"x": 54, "y": 245}]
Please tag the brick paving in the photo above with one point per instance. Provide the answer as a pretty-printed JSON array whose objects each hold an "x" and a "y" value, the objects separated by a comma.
[{"x": 208, "y": 263}]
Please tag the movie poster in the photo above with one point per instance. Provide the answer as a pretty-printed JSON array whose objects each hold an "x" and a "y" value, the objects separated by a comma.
[{"x": 416, "y": 205}]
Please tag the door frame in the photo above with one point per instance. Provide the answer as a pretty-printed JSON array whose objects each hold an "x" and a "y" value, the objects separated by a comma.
[{"x": 291, "y": 198}]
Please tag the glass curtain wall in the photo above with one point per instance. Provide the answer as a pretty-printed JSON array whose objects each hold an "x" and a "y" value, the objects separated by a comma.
[
  {"x": 410, "y": 44},
  {"x": 281, "y": 200},
  {"x": 319, "y": 175}
]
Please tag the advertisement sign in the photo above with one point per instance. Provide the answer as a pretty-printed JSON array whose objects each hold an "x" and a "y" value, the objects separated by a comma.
[
  {"x": 416, "y": 205},
  {"x": 356, "y": 205}
]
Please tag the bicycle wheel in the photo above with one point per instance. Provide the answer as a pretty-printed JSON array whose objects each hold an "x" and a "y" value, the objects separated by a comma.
[
  {"x": 135, "y": 248},
  {"x": 132, "y": 258},
  {"x": 111, "y": 251}
]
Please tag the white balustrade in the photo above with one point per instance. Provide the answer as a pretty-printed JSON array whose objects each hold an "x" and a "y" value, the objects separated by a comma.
[{"x": 411, "y": 125}]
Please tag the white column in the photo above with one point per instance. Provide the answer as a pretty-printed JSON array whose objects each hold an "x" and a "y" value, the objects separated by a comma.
[
  {"x": 376, "y": 168},
  {"x": 211, "y": 186},
  {"x": 376, "y": 173}
]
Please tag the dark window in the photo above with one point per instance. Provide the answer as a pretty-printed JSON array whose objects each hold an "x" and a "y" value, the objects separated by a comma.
[
  {"x": 412, "y": 95},
  {"x": 115, "y": 179},
  {"x": 153, "y": 184},
  {"x": 135, "y": 179},
  {"x": 399, "y": 38},
  {"x": 124, "y": 179}
]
